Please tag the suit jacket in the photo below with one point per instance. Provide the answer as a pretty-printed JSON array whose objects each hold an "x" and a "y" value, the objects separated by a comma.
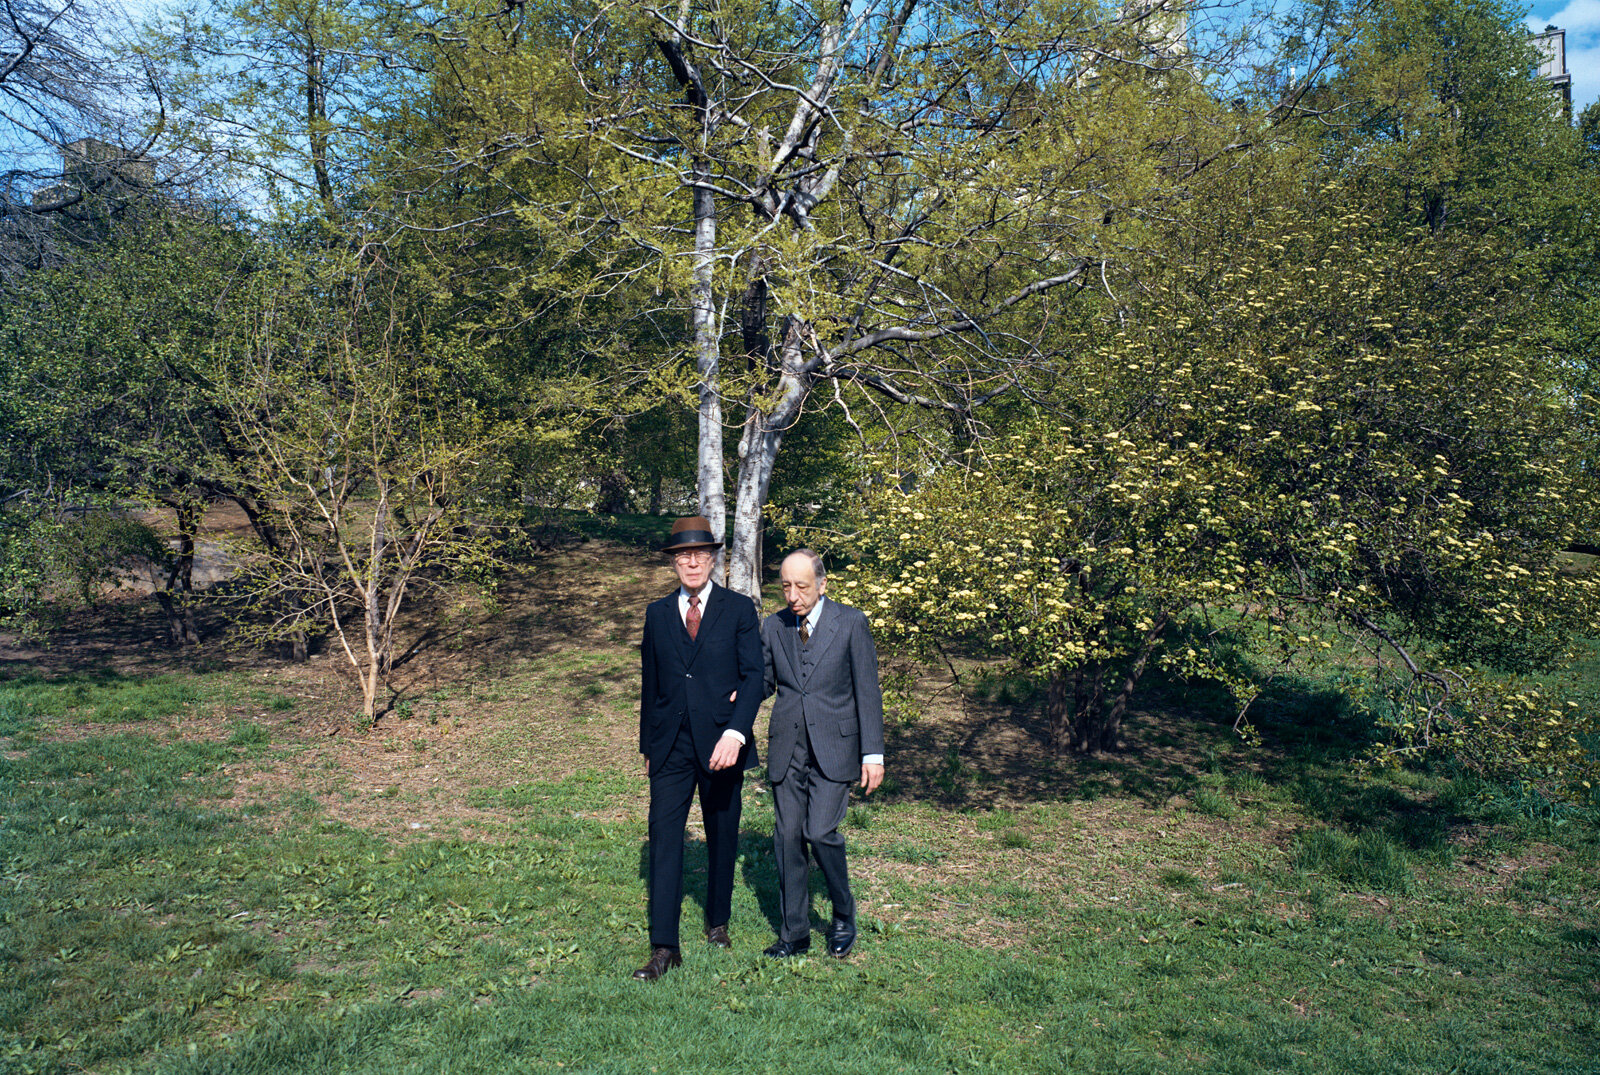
[
  {"x": 681, "y": 678},
  {"x": 839, "y": 703}
]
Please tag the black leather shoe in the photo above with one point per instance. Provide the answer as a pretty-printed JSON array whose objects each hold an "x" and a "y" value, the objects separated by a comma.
[
  {"x": 661, "y": 961},
  {"x": 717, "y": 937},
  {"x": 841, "y": 938},
  {"x": 785, "y": 949}
]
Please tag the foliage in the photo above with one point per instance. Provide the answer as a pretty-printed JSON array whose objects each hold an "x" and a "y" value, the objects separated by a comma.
[
  {"x": 101, "y": 406},
  {"x": 99, "y": 391},
  {"x": 290, "y": 95},
  {"x": 371, "y": 461},
  {"x": 1433, "y": 112},
  {"x": 51, "y": 557},
  {"x": 1589, "y": 136},
  {"x": 1343, "y": 440}
]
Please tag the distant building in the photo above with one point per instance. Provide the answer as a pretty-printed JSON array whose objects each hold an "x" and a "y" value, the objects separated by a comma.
[
  {"x": 1163, "y": 26},
  {"x": 100, "y": 187},
  {"x": 92, "y": 167},
  {"x": 1552, "y": 47},
  {"x": 92, "y": 162}
]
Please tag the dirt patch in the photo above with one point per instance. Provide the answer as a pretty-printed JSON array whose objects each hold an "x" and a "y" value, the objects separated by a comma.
[
  {"x": 530, "y": 683},
  {"x": 538, "y": 680}
]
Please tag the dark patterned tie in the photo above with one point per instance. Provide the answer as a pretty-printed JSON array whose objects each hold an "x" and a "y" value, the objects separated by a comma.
[
  {"x": 805, "y": 632},
  {"x": 692, "y": 620}
]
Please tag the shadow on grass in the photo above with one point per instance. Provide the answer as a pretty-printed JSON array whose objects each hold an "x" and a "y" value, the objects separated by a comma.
[
  {"x": 987, "y": 746},
  {"x": 557, "y": 528},
  {"x": 1314, "y": 736},
  {"x": 757, "y": 872}
]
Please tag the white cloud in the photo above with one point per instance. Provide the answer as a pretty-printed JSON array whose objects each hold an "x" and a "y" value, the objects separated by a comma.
[
  {"x": 1581, "y": 20},
  {"x": 1575, "y": 17}
]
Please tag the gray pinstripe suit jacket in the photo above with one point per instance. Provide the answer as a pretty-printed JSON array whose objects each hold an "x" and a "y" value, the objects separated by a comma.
[{"x": 839, "y": 702}]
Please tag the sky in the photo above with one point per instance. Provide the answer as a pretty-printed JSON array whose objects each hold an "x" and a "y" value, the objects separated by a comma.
[{"x": 1581, "y": 20}]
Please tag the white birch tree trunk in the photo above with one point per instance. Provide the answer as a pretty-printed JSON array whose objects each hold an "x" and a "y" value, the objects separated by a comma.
[
  {"x": 764, "y": 431},
  {"x": 779, "y": 150},
  {"x": 707, "y": 353}
]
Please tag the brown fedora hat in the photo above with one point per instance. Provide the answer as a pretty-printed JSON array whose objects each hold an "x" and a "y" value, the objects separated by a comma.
[{"x": 691, "y": 533}]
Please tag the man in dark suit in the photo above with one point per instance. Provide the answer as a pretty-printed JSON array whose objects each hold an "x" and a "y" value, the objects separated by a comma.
[
  {"x": 825, "y": 731},
  {"x": 699, "y": 689}
]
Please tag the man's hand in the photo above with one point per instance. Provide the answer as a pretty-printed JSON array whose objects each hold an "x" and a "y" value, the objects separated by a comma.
[
  {"x": 726, "y": 753},
  {"x": 647, "y": 765},
  {"x": 871, "y": 777}
]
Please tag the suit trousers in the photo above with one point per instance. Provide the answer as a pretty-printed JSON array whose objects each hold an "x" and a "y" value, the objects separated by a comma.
[
  {"x": 672, "y": 789},
  {"x": 809, "y": 809}
]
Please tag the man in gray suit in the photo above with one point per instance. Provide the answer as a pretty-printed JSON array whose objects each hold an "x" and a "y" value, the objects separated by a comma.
[{"x": 825, "y": 731}]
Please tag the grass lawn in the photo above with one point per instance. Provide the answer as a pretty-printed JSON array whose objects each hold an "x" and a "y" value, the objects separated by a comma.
[{"x": 209, "y": 867}]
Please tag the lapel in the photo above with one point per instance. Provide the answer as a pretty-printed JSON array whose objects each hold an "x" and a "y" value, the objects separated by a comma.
[
  {"x": 822, "y": 637},
  {"x": 789, "y": 644},
  {"x": 675, "y": 629}
]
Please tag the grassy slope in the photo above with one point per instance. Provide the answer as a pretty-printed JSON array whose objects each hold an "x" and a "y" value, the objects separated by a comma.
[{"x": 200, "y": 878}]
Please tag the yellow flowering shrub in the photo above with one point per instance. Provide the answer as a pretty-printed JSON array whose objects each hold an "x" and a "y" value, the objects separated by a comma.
[{"x": 1342, "y": 447}]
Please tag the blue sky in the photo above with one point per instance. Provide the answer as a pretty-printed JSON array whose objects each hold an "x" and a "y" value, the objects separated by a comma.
[{"x": 1581, "y": 20}]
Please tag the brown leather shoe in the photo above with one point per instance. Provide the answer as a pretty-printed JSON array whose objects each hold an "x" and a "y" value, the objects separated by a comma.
[
  {"x": 661, "y": 961},
  {"x": 717, "y": 937}
]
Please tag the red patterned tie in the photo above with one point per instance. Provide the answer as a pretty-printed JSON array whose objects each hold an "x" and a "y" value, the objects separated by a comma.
[{"x": 692, "y": 620}]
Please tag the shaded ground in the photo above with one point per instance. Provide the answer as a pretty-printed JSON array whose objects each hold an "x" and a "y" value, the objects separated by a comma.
[
  {"x": 479, "y": 850},
  {"x": 530, "y": 684},
  {"x": 538, "y": 681}
]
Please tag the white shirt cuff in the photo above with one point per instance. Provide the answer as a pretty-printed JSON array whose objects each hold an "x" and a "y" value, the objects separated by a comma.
[
  {"x": 872, "y": 759},
  {"x": 729, "y": 731}
]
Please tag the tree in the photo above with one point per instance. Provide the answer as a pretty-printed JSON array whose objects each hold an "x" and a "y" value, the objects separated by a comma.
[
  {"x": 288, "y": 94},
  {"x": 1434, "y": 113},
  {"x": 372, "y": 465},
  {"x": 1342, "y": 440},
  {"x": 1589, "y": 136},
  {"x": 100, "y": 405},
  {"x": 897, "y": 198}
]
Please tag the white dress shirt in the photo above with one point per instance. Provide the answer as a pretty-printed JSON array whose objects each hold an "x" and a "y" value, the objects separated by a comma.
[{"x": 683, "y": 601}]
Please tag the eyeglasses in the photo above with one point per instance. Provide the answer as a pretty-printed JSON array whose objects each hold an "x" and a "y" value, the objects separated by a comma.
[{"x": 694, "y": 556}]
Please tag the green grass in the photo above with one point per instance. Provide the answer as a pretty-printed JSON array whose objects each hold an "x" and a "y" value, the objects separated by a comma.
[
  {"x": 1208, "y": 801},
  {"x": 1370, "y": 860},
  {"x": 1413, "y": 925},
  {"x": 103, "y": 698}
]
